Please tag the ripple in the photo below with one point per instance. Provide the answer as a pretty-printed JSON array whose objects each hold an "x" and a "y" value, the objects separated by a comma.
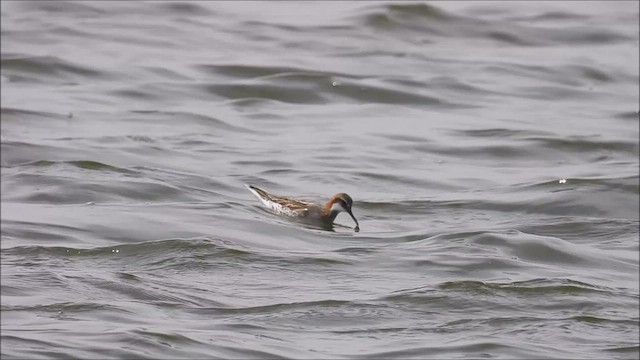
[
  {"x": 539, "y": 287},
  {"x": 483, "y": 349},
  {"x": 551, "y": 16},
  {"x": 267, "y": 309},
  {"x": 82, "y": 164},
  {"x": 60, "y": 190},
  {"x": 433, "y": 22},
  {"x": 408, "y": 16},
  {"x": 35, "y": 68},
  {"x": 499, "y": 133},
  {"x": 586, "y": 144},
  {"x": 284, "y": 94},
  {"x": 628, "y": 115},
  {"x": 62, "y": 7},
  {"x": 14, "y": 114},
  {"x": 254, "y": 71},
  {"x": 182, "y": 8},
  {"x": 148, "y": 249},
  {"x": 128, "y": 129}
]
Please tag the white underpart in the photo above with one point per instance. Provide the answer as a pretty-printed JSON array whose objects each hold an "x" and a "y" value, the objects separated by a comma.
[
  {"x": 279, "y": 208},
  {"x": 337, "y": 207}
]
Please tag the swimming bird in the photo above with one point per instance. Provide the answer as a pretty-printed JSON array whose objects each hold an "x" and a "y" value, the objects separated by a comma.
[{"x": 307, "y": 210}]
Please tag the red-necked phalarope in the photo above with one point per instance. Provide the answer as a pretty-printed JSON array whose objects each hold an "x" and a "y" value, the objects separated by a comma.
[{"x": 304, "y": 209}]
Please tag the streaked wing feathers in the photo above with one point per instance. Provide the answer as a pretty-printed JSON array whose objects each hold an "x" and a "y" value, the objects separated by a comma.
[{"x": 281, "y": 204}]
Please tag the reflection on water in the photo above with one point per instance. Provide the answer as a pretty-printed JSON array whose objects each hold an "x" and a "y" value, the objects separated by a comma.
[{"x": 128, "y": 132}]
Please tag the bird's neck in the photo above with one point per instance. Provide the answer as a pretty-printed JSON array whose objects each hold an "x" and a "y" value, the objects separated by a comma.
[{"x": 327, "y": 211}]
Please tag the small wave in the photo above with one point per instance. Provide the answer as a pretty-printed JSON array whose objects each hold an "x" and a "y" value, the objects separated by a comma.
[
  {"x": 183, "y": 253},
  {"x": 584, "y": 145},
  {"x": 500, "y": 133},
  {"x": 421, "y": 10},
  {"x": 539, "y": 287},
  {"x": 182, "y": 8},
  {"x": 37, "y": 67},
  {"x": 625, "y": 184},
  {"x": 577, "y": 78},
  {"x": 145, "y": 249},
  {"x": 423, "y": 17},
  {"x": 266, "y": 309},
  {"x": 285, "y": 94},
  {"x": 431, "y": 23},
  {"x": 269, "y": 164},
  {"x": 601, "y": 231},
  {"x": 63, "y": 7},
  {"x": 313, "y": 87},
  {"x": 470, "y": 348},
  {"x": 170, "y": 117},
  {"x": 550, "y": 16},
  {"x": 537, "y": 250},
  {"x": 68, "y": 307},
  {"x": 386, "y": 95},
  {"x": 523, "y": 146},
  {"x": 14, "y": 114},
  {"x": 62, "y": 190},
  {"x": 81, "y": 164},
  {"x": 255, "y": 71},
  {"x": 628, "y": 115}
]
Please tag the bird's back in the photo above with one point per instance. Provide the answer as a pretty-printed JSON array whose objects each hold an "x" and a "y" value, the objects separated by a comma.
[{"x": 285, "y": 205}]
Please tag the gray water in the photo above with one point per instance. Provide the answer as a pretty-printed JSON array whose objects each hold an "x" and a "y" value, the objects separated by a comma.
[{"x": 491, "y": 149}]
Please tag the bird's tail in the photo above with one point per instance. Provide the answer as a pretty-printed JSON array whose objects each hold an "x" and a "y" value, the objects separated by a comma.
[{"x": 259, "y": 193}]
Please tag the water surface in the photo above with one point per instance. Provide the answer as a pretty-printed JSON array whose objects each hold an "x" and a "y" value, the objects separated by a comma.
[{"x": 491, "y": 149}]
